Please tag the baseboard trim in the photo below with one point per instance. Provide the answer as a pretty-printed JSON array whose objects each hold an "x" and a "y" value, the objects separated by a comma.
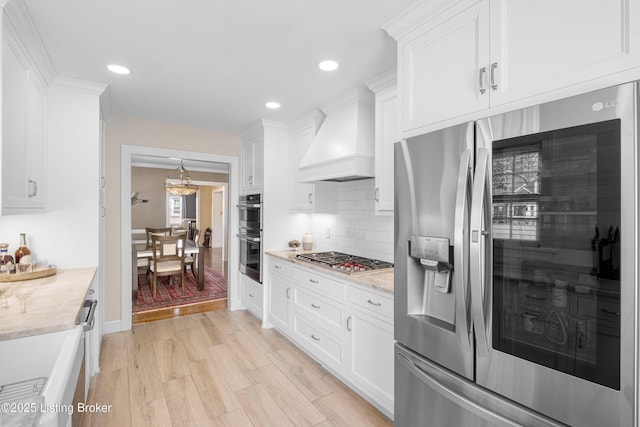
[{"x": 111, "y": 327}]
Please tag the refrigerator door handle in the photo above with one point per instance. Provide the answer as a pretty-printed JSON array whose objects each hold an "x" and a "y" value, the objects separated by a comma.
[
  {"x": 480, "y": 217},
  {"x": 461, "y": 247},
  {"x": 457, "y": 398}
]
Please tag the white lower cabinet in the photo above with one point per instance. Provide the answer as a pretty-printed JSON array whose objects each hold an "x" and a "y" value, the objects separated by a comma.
[
  {"x": 326, "y": 347},
  {"x": 251, "y": 295},
  {"x": 346, "y": 327},
  {"x": 370, "y": 350},
  {"x": 279, "y": 295}
]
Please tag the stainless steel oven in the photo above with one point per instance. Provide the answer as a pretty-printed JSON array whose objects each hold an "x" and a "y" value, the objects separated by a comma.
[
  {"x": 250, "y": 209},
  {"x": 250, "y": 235}
]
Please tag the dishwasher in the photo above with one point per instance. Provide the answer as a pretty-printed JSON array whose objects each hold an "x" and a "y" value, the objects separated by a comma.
[{"x": 42, "y": 379}]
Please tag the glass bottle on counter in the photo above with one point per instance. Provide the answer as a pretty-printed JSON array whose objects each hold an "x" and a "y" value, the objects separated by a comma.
[
  {"x": 6, "y": 261},
  {"x": 23, "y": 253}
]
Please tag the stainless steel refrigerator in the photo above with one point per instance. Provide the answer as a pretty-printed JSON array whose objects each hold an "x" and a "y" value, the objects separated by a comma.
[{"x": 516, "y": 268}]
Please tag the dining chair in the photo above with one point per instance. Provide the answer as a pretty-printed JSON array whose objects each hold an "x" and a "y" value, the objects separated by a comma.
[
  {"x": 189, "y": 260},
  {"x": 162, "y": 231},
  {"x": 144, "y": 263},
  {"x": 179, "y": 231},
  {"x": 168, "y": 259}
]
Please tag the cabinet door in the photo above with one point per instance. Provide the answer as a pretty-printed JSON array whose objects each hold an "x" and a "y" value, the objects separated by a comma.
[
  {"x": 371, "y": 357},
  {"x": 258, "y": 162},
  {"x": 35, "y": 144},
  {"x": 301, "y": 192},
  {"x": 439, "y": 76},
  {"x": 387, "y": 133},
  {"x": 251, "y": 295},
  {"x": 247, "y": 164},
  {"x": 545, "y": 45},
  {"x": 279, "y": 297},
  {"x": 14, "y": 111}
]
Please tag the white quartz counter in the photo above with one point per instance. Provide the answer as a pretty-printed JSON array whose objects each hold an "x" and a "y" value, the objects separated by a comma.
[
  {"x": 380, "y": 280},
  {"x": 43, "y": 305}
]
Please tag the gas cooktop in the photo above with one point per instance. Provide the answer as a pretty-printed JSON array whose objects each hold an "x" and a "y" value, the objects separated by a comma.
[{"x": 344, "y": 262}]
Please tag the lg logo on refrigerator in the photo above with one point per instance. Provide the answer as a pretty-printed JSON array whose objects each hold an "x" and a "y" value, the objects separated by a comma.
[{"x": 602, "y": 105}]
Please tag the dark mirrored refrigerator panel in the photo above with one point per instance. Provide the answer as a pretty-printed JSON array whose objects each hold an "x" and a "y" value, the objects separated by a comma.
[{"x": 556, "y": 249}]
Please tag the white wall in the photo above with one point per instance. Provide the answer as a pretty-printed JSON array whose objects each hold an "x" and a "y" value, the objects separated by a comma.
[
  {"x": 355, "y": 229},
  {"x": 67, "y": 233},
  {"x": 217, "y": 213}
]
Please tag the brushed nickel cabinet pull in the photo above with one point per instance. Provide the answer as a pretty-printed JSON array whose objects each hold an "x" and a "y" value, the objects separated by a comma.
[
  {"x": 34, "y": 186},
  {"x": 315, "y": 338},
  {"x": 315, "y": 306},
  {"x": 377, "y": 304},
  {"x": 349, "y": 323},
  {"x": 314, "y": 281},
  {"x": 482, "y": 74},
  {"x": 494, "y": 85}
]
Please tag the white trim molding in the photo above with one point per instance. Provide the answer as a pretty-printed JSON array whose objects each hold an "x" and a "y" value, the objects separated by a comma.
[{"x": 127, "y": 151}]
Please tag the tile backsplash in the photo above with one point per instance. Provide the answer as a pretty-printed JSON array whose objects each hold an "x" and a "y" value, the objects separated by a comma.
[{"x": 355, "y": 229}]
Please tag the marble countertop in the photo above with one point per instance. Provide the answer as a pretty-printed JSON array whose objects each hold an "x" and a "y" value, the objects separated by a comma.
[
  {"x": 43, "y": 305},
  {"x": 379, "y": 280}
]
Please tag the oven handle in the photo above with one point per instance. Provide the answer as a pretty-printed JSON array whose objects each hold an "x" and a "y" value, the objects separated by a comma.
[
  {"x": 245, "y": 206},
  {"x": 248, "y": 239}
]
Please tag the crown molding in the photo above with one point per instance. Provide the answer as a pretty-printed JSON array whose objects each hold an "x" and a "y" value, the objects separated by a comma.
[
  {"x": 382, "y": 81},
  {"x": 313, "y": 118},
  {"x": 360, "y": 94},
  {"x": 417, "y": 15},
  {"x": 77, "y": 85},
  {"x": 19, "y": 23}
]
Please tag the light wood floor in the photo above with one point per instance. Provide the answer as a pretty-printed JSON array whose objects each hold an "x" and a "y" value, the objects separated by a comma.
[{"x": 218, "y": 369}]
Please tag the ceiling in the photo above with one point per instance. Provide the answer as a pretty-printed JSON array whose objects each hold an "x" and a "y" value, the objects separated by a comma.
[{"x": 214, "y": 63}]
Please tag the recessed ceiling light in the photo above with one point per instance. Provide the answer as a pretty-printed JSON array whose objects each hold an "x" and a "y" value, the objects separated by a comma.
[
  {"x": 272, "y": 105},
  {"x": 328, "y": 65},
  {"x": 118, "y": 69}
]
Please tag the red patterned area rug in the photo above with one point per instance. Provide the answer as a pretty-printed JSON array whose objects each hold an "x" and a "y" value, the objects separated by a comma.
[{"x": 169, "y": 293}]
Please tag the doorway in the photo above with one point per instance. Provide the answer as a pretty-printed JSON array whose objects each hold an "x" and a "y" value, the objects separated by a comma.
[{"x": 129, "y": 156}]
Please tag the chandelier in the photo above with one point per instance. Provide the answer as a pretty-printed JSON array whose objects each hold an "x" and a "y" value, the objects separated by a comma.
[{"x": 183, "y": 188}]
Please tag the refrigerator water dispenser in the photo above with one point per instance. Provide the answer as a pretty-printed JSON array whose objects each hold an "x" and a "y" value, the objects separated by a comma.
[{"x": 432, "y": 294}]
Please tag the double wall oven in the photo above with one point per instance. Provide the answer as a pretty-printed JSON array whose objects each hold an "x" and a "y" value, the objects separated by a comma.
[{"x": 250, "y": 235}]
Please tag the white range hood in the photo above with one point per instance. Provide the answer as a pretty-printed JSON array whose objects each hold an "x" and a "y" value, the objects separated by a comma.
[{"x": 343, "y": 149}]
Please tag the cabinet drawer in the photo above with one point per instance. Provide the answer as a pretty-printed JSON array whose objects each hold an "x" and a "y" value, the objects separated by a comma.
[
  {"x": 324, "y": 311},
  {"x": 375, "y": 302},
  {"x": 318, "y": 283},
  {"x": 252, "y": 296},
  {"x": 328, "y": 349},
  {"x": 280, "y": 266}
]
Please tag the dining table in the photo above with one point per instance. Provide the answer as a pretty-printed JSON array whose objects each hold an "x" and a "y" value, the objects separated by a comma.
[{"x": 141, "y": 250}]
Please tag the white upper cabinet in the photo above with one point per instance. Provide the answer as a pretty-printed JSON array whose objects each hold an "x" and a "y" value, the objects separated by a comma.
[
  {"x": 320, "y": 197},
  {"x": 439, "y": 68},
  {"x": 387, "y": 133},
  {"x": 540, "y": 46},
  {"x": 253, "y": 163},
  {"x": 301, "y": 137},
  {"x": 23, "y": 132},
  {"x": 461, "y": 58}
]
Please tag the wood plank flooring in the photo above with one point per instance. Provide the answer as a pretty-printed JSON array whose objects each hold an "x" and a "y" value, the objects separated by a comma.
[{"x": 218, "y": 368}]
